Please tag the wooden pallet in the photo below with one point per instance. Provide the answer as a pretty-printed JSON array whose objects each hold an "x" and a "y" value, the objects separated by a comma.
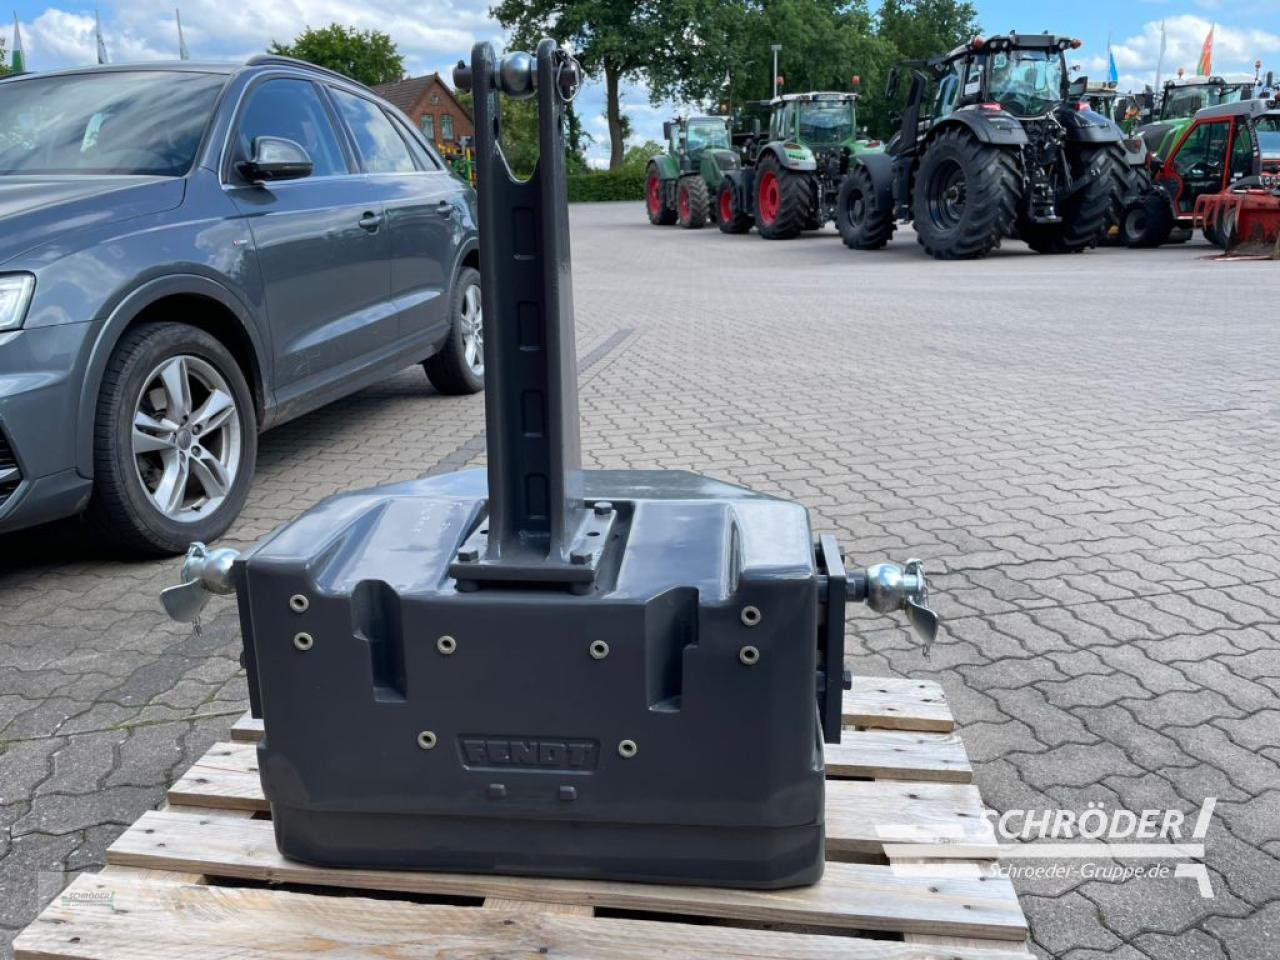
[{"x": 201, "y": 877}]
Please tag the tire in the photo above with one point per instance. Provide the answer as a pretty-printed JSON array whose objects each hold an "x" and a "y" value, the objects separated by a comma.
[
  {"x": 141, "y": 389},
  {"x": 693, "y": 205},
  {"x": 783, "y": 200},
  {"x": 458, "y": 367},
  {"x": 862, "y": 222},
  {"x": 990, "y": 191},
  {"x": 730, "y": 219},
  {"x": 1147, "y": 221},
  {"x": 660, "y": 215},
  {"x": 1088, "y": 212}
]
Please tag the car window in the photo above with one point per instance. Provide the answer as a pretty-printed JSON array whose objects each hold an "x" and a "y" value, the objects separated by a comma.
[
  {"x": 110, "y": 122},
  {"x": 379, "y": 143},
  {"x": 420, "y": 153},
  {"x": 291, "y": 109}
]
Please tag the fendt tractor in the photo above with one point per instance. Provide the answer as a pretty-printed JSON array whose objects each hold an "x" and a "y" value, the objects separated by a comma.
[
  {"x": 680, "y": 183},
  {"x": 789, "y": 184},
  {"x": 1229, "y": 147},
  {"x": 1183, "y": 97},
  {"x": 1007, "y": 150}
]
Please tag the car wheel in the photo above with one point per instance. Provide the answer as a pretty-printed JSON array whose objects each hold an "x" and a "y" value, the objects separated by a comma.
[
  {"x": 175, "y": 441},
  {"x": 458, "y": 367}
]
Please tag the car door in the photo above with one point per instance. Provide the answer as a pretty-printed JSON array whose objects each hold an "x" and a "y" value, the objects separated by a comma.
[
  {"x": 322, "y": 243},
  {"x": 1199, "y": 164},
  {"x": 419, "y": 203}
]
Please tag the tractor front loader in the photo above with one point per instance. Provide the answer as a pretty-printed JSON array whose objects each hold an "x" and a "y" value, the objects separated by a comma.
[
  {"x": 795, "y": 170},
  {"x": 680, "y": 184},
  {"x": 1005, "y": 149}
]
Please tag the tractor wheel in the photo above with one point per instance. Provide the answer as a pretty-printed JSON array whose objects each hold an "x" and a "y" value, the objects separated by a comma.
[
  {"x": 729, "y": 217},
  {"x": 1147, "y": 221},
  {"x": 966, "y": 196},
  {"x": 660, "y": 215},
  {"x": 863, "y": 225},
  {"x": 1088, "y": 212},
  {"x": 783, "y": 201},
  {"x": 1217, "y": 237},
  {"x": 692, "y": 203}
]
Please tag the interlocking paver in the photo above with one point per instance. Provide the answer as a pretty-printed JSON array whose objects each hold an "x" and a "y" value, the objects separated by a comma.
[{"x": 1084, "y": 449}]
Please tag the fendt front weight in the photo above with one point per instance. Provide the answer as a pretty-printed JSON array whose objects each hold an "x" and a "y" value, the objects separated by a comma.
[{"x": 533, "y": 668}]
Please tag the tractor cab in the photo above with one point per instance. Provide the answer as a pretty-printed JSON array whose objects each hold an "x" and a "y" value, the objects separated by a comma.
[
  {"x": 1025, "y": 74},
  {"x": 1184, "y": 98},
  {"x": 689, "y": 139},
  {"x": 820, "y": 121}
]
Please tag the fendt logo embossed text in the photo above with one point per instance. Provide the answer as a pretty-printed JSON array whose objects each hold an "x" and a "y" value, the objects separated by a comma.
[{"x": 538, "y": 754}]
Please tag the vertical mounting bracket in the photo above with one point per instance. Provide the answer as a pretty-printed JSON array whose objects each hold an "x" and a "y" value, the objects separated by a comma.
[{"x": 538, "y": 529}]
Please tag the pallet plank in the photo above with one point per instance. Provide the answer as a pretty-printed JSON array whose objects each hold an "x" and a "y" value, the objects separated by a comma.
[
  {"x": 861, "y": 815},
  {"x": 850, "y": 896},
  {"x": 133, "y": 918},
  {"x": 890, "y": 703},
  {"x": 248, "y": 729},
  {"x": 899, "y": 755}
]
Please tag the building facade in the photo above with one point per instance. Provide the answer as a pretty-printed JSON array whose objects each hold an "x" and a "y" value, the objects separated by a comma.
[{"x": 432, "y": 107}]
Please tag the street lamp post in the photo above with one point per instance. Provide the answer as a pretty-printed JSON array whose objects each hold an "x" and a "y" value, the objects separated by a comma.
[{"x": 775, "y": 47}]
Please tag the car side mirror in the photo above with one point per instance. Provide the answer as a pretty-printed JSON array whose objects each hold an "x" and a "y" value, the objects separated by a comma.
[
  {"x": 275, "y": 158},
  {"x": 891, "y": 83},
  {"x": 666, "y": 130},
  {"x": 1078, "y": 86}
]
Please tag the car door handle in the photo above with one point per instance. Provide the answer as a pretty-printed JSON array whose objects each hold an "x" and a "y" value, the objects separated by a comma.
[
  {"x": 370, "y": 221},
  {"x": 444, "y": 208}
]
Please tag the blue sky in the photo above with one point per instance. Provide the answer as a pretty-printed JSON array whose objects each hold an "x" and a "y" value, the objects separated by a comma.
[{"x": 432, "y": 34}]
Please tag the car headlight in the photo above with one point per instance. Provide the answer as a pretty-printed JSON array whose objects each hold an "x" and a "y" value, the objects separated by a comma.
[{"x": 15, "y": 297}]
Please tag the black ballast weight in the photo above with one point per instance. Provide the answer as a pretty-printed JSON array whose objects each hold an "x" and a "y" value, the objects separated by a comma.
[{"x": 543, "y": 670}]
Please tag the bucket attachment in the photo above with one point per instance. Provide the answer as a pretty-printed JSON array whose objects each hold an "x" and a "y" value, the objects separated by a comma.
[{"x": 1246, "y": 218}]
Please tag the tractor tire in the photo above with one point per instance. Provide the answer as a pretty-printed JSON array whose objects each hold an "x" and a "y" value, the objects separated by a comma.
[
  {"x": 1088, "y": 212},
  {"x": 1217, "y": 237},
  {"x": 967, "y": 195},
  {"x": 863, "y": 225},
  {"x": 660, "y": 215},
  {"x": 730, "y": 218},
  {"x": 784, "y": 202},
  {"x": 692, "y": 203},
  {"x": 1147, "y": 221}
]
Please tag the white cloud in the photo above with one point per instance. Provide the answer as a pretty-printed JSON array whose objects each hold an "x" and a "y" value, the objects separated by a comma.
[{"x": 1234, "y": 49}]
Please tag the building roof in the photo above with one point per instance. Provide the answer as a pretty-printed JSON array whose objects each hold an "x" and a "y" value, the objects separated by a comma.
[{"x": 404, "y": 94}]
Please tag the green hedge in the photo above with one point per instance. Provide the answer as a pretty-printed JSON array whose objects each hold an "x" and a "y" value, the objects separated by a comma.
[{"x": 611, "y": 185}]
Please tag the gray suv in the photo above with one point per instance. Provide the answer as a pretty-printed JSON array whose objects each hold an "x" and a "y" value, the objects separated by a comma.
[{"x": 191, "y": 253}]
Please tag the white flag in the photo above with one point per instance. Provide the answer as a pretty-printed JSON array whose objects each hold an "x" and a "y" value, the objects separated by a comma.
[{"x": 1160, "y": 59}]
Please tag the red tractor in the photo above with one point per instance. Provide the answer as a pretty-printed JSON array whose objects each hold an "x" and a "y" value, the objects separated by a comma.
[{"x": 1235, "y": 148}]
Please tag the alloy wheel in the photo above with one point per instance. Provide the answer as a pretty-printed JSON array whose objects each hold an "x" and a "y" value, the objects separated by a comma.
[
  {"x": 186, "y": 438},
  {"x": 471, "y": 326}
]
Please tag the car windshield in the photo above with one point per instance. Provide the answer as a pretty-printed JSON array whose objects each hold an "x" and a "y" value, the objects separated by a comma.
[
  {"x": 146, "y": 122},
  {"x": 707, "y": 134},
  {"x": 826, "y": 123},
  {"x": 1027, "y": 83},
  {"x": 1182, "y": 102}
]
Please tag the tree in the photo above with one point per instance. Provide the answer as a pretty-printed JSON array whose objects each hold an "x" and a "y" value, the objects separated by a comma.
[
  {"x": 926, "y": 28},
  {"x": 366, "y": 56},
  {"x": 617, "y": 40},
  {"x": 724, "y": 58},
  {"x": 639, "y": 156}
]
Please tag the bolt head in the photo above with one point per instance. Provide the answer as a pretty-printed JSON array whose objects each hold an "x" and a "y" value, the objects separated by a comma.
[
  {"x": 469, "y": 555},
  {"x": 603, "y": 508},
  {"x": 578, "y": 558}
]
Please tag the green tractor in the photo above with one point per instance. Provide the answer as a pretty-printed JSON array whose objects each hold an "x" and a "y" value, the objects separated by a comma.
[
  {"x": 1184, "y": 97},
  {"x": 789, "y": 184},
  {"x": 680, "y": 183}
]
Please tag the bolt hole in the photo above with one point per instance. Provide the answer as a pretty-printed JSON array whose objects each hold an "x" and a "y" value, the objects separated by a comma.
[
  {"x": 751, "y": 616},
  {"x": 627, "y": 748},
  {"x": 427, "y": 740},
  {"x": 599, "y": 649},
  {"x": 749, "y": 655},
  {"x": 446, "y": 645},
  {"x": 593, "y": 533},
  {"x": 303, "y": 641},
  {"x": 298, "y": 603}
]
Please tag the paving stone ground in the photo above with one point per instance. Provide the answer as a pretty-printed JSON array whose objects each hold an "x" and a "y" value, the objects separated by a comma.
[{"x": 1086, "y": 450}]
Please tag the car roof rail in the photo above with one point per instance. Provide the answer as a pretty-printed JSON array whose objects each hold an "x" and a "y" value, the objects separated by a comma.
[{"x": 279, "y": 59}]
